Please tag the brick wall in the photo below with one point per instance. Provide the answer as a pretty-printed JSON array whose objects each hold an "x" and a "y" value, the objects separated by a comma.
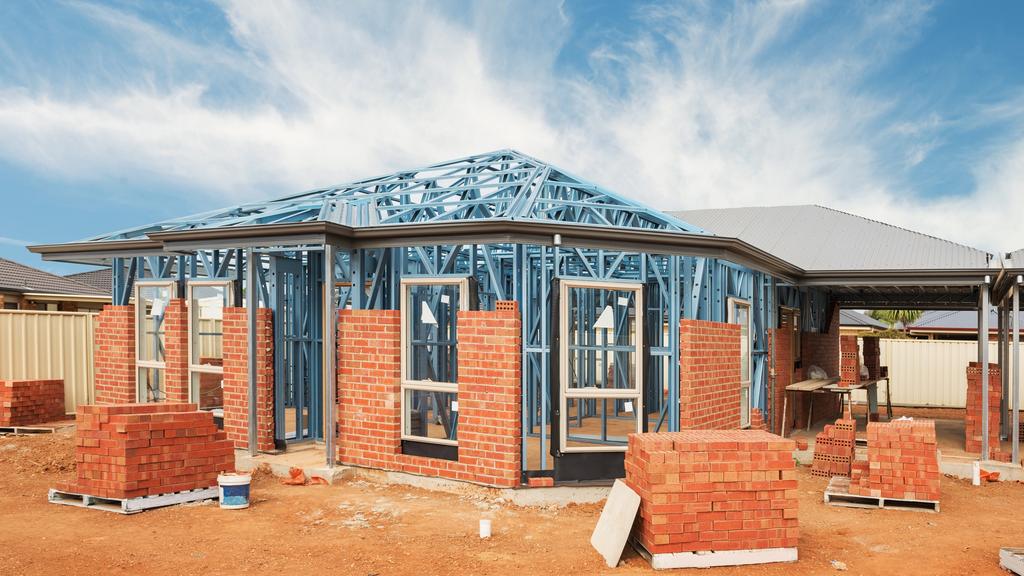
[
  {"x": 369, "y": 416},
  {"x": 176, "y": 351},
  {"x": 236, "y": 377},
  {"x": 27, "y": 402},
  {"x": 133, "y": 450},
  {"x": 820, "y": 349},
  {"x": 710, "y": 490},
  {"x": 973, "y": 415},
  {"x": 114, "y": 358},
  {"x": 783, "y": 366},
  {"x": 709, "y": 375}
]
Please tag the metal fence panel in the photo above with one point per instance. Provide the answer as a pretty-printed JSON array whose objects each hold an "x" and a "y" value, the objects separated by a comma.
[{"x": 37, "y": 345}]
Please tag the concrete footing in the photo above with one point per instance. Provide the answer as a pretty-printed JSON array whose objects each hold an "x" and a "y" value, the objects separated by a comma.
[{"x": 714, "y": 559}]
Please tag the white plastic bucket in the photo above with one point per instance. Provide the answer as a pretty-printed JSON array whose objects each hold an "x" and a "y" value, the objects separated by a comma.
[{"x": 234, "y": 490}]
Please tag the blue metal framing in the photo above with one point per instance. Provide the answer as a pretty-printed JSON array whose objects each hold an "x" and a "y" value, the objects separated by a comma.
[{"x": 503, "y": 185}]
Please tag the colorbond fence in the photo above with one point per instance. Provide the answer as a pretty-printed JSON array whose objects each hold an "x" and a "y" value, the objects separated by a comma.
[
  {"x": 931, "y": 372},
  {"x": 48, "y": 345}
]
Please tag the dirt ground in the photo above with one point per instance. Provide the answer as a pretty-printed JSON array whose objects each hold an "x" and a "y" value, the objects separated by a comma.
[{"x": 363, "y": 528}]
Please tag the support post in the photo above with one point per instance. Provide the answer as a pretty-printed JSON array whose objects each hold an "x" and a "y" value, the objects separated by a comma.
[
  {"x": 1015, "y": 367},
  {"x": 983, "y": 360},
  {"x": 330, "y": 354},
  {"x": 251, "y": 304}
]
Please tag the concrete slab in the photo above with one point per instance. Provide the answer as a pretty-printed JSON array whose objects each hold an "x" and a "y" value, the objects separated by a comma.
[
  {"x": 310, "y": 459},
  {"x": 616, "y": 522},
  {"x": 1012, "y": 560},
  {"x": 714, "y": 559}
]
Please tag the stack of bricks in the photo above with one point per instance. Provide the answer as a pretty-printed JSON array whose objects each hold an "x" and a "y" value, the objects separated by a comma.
[
  {"x": 903, "y": 462},
  {"x": 713, "y": 490},
  {"x": 872, "y": 357},
  {"x": 849, "y": 361},
  {"x": 27, "y": 402},
  {"x": 973, "y": 415},
  {"x": 834, "y": 449},
  {"x": 133, "y": 450}
]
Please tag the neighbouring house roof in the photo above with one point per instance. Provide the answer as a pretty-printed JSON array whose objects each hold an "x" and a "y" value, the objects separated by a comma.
[
  {"x": 819, "y": 238},
  {"x": 955, "y": 321},
  {"x": 860, "y": 320},
  {"x": 100, "y": 279},
  {"x": 16, "y": 277}
]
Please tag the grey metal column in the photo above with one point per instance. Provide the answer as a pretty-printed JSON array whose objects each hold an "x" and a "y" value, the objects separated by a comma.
[
  {"x": 983, "y": 360},
  {"x": 1015, "y": 323},
  {"x": 330, "y": 354},
  {"x": 1004, "y": 374},
  {"x": 251, "y": 304}
]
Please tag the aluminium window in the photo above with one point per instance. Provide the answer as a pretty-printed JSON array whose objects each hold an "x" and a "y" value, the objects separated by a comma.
[
  {"x": 151, "y": 301},
  {"x": 739, "y": 313},
  {"x": 206, "y": 303},
  {"x": 429, "y": 359}
]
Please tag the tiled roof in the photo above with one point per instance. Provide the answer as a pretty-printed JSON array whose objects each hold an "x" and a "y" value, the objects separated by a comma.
[
  {"x": 21, "y": 278},
  {"x": 100, "y": 279}
]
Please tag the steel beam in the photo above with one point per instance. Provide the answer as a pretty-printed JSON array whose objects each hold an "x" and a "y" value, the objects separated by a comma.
[
  {"x": 330, "y": 354},
  {"x": 252, "y": 304}
]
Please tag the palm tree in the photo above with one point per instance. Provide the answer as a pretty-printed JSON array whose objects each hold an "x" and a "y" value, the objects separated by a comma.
[{"x": 894, "y": 317}]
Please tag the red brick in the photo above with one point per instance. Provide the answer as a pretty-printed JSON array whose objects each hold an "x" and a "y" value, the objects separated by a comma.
[{"x": 27, "y": 402}]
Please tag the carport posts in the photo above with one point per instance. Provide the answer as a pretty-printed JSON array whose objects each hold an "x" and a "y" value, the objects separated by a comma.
[
  {"x": 983, "y": 360},
  {"x": 1015, "y": 331}
]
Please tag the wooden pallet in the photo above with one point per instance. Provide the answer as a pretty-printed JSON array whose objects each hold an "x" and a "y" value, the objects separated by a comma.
[
  {"x": 1012, "y": 559},
  {"x": 838, "y": 494},
  {"x": 131, "y": 505},
  {"x": 37, "y": 429}
]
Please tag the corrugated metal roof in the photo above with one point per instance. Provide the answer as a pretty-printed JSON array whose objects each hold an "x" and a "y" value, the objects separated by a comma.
[
  {"x": 101, "y": 279},
  {"x": 22, "y": 278},
  {"x": 816, "y": 238},
  {"x": 956, "y": 320},
  {"x": 854, "y": 318}
]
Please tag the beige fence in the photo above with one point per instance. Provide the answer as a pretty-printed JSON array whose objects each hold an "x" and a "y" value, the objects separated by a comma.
[
  {"x": 932, "y": 372},
  {"x": 50, "y": 345}
]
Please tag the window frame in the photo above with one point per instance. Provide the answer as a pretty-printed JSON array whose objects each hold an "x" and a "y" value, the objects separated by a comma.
[
  {"x": 194, "y": 368},
  {"x": 141, "y": 364},
  {"x": 746, "y": 380},
  {"x": 634, "y": 394},
  {"x": 406, "y": 383}
]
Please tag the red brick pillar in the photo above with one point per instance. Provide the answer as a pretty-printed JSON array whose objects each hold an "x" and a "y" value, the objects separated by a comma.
[
  {"x": 973, "y": 416},
  {"x": 783, "y": 365},
  {"x": 490, "y": 385},
  {"x": 709, "y": 375},
  {"x": 236, "y": 377},
  {"x": 369, "y": 403},
  {"x": 176, "y": 351},
  {"x": 114, "y": 358}
]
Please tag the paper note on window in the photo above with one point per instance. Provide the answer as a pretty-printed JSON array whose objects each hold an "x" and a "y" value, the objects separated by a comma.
[
  {"x": 629, "y": 406},
  {"x": 445, "y": 299},
  {"x": 426, "y": 316},
  {"x": 455, "y": 406},
  {"x": 211, "y": 313},
  {"x": 623, "y": 301},
  {"x": 606, "y": 320},
  {"x": 158, "y": 308}
]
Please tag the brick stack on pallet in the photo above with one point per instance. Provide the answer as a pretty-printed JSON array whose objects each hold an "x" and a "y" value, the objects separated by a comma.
[
  {"x": 132, "y": 450},
  {"x": 903, "y": 462},
  {"x": 713, "y": 490},
  {"x": 849, "y": 361},
  {"x": 28, "y": 402},
  {"x": 973, "y": 416},
  {"x": 834, "y": 448}
]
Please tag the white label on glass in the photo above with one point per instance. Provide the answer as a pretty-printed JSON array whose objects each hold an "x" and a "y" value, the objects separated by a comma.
[
  {"x": 455, "y": 406},
  {"x": 623, "y": 301},
  {"x": 629, "y": 406},
  {"x": 211, "y": 313},
  {"x": 445, "y": 299},
  {"x": 426, "y": 316},
  {"x": 158, "y": 308},
  {"x": 606, "y": 319}
]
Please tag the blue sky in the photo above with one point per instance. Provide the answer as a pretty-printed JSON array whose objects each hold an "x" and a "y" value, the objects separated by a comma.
[{"x": 122, "y": 113}]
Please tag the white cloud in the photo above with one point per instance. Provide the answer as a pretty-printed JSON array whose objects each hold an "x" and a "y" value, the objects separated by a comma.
[
  {"x": 14, "y": 241},
  {"x": 700, "y": 109}
]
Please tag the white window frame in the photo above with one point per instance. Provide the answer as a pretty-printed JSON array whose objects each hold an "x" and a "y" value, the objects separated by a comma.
[
  {"x": 634, "y": 394},
  {"x": 425, "y": 385},
  {"x": 141, "y": 364},
  {"x": 745, "y": 379},
  {"x": 194, "y": 368}
]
